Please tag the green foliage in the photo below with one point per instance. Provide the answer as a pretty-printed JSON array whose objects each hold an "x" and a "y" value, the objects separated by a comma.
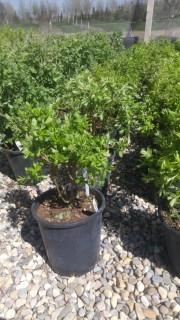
[
  {"x": 34, "y": 68},
  {"x": 177, "y": 45},
  {"x": 10, "y": 37},
  {"x": 64, "y": 145},
  {"x": 116, "y": 41},
  {"x": 106, "y": 99},
  {"x": 163, "y": 155},
  {"x": 69, "y": 100}
]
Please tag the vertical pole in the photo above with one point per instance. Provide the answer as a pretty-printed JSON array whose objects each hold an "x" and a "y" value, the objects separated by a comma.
[
  {"x": 50, "y": 25},
  {"x": 149, "y": 20}
]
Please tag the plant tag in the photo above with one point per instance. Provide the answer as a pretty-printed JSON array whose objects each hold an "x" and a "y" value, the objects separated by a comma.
[
  {"x": 95, "y": 205},
  {"x": 87, "y": 191},
  {"x": 19, "y": 145}
]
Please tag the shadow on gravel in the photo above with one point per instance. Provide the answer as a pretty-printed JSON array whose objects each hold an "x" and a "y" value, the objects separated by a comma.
[
  {"x": 21, "y": 217},
  {"x": 130, "y": 213},
  {"x": 129, "y": 174},
  {"x": 140, "y": 232},
  {"x": 136, "y": 224}
]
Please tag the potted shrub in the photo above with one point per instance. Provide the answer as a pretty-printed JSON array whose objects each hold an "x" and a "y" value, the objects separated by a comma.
[
  {"x": 162, "y": 157},
  {"x": 69, "y": 216},
  {"x": 108, "y": 99},
  {"x": 170, "y": 215},
  {"x": 17, "y": 86},
  {"x": 163, "y": 170},
  {"x": 34, "y": 69}
]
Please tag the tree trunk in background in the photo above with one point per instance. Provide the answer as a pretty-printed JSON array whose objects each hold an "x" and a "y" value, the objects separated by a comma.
[{"x": 149, "y": 20}]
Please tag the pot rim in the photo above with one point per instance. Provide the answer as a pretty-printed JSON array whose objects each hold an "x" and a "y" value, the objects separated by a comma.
[
  {"x": 166, "y": 226},
  {"x": 13, "y": 152},
  {"x": 66, "y": 225}
]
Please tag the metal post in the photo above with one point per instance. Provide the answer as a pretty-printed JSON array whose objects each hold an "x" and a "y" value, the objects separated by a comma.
[{"x": 149, "y": 20}]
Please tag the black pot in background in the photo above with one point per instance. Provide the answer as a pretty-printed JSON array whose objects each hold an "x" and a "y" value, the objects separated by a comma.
[
  {"x": 72, "y": 247},
  {"x": 130, "y": 41},
  {"x": 17, "y": 162},
  {"x": 172, "y": 238}
]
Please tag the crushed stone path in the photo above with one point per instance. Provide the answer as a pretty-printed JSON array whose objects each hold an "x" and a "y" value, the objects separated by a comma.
[{"x": 130, "y": 281}]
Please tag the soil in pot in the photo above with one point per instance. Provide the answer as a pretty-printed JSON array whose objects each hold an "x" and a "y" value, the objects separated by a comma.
[
  {"x": 54, "y": 210},
  {"x": 172, "y": 223}
]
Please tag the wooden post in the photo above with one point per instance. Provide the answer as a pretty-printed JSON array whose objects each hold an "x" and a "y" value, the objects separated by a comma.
[
  {"x": 149, "y": 20},
  {"x": 50, "y": 25}
]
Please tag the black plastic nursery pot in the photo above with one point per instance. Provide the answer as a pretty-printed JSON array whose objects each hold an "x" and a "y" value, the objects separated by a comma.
[
  {"x": 172, "y": 238},
  {"x": 17, "y": 162},
  {"x": 72, "y": 247},
  {"x": 130, "y": 41}
]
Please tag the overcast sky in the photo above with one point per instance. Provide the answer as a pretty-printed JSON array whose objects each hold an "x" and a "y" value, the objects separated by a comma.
[{"x": 16, "y": 2}]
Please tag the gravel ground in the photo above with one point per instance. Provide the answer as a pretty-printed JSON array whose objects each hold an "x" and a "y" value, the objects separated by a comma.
[{"x": 130, "y": 281}]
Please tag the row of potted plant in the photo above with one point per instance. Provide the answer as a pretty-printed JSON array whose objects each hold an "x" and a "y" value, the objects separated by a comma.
[
  {"x": 35, "y": 67},
  {"x": 34, "y": 74},
  {"x": 98, "y": 112}
]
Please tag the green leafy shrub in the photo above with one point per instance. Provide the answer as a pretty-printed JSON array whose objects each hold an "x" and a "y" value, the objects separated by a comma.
[
  {"x": 177, "y": 45},
  {"x": 116, "y": 41},
  {"x": 65, "y": 146},
  {"x": 35, "y": 68},
  {"x": 162, "y": 157},
  {"x": 77, "y": 97},
  {"x": 106, "y": 99},
  {"x": 11, "y": 37},
  {"x": 141, "y": 62}
]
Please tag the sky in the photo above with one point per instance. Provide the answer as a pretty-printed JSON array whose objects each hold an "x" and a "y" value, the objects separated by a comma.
[{"x": 16, "y": 2}]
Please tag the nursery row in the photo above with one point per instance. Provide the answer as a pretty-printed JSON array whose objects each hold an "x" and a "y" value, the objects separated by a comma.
[
  {"x": 34, "y": 67},
  {"x": 74, "y": 102}
]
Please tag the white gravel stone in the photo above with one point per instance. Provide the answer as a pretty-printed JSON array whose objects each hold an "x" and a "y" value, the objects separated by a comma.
[
  {"x": 29, "y": 276},
  {"x": 33, "y": 302},
  {"x": 47, "y": 286},
  {"x": 56, "y": 292},
  {"x": 163, "y": 292},
  {"x": 80, "y": 303},
  {"x": 140, "y": 286},
  {"x": 176, "y": 308},
  {"x": 114, "y": 300},
  {"x": 145, "y": 301},
  {"x": 139, "y": 311},
  {"x": 172, "y": 295},
  {"x": 23, "y": 285},
  {"x": 108, "y": 293},
  {"x": 56, "y": 313},
  {"x": 10, "y": 314},
  {"x": 82, "y": 312},
  {"x": 42, "y": 293},
  {"x": 20, "y": 303},
  {"x": 106, "y": 257},
  {"x": 33, "y": 291},
  {"x": 79, "y": 291},
  {"x": 70, "y": 316},
  {"x": 100, "y": 306},
  {"x": 150, "y": 314},
  {"x": 41, "y": 309},
  {"x": 123, "y": 316},
  {"x": 177, "y": 281}
]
